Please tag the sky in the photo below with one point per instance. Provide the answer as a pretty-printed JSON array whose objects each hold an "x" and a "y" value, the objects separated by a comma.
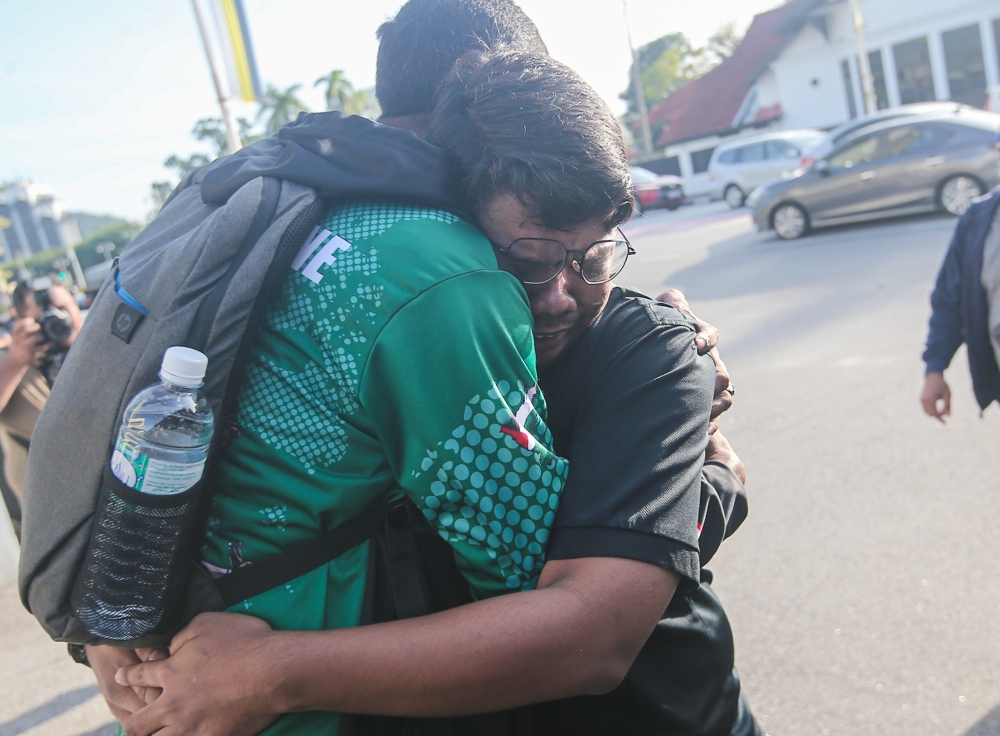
[{"x": 95, "y": 95}]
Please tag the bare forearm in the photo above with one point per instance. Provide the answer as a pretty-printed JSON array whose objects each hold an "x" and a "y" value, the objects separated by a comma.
[
  {"x": 487, "y": 656},
  {"x": 11, "y": 373}
]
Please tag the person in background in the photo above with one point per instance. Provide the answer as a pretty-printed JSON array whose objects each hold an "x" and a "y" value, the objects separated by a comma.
[
  {"x": 28, "y": 371},
  {"x": 965, "y": 308}
]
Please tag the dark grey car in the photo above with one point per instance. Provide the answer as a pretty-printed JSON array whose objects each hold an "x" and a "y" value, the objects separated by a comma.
[{"x": 904, "y": 166}]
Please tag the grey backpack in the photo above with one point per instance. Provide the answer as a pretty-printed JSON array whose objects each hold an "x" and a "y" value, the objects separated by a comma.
[{"x": 196, "y": 276}]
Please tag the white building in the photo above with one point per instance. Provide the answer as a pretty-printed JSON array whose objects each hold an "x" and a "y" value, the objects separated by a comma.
[
  {"x": 38, "y": 221},
  {"x": 797, "y": 68}
]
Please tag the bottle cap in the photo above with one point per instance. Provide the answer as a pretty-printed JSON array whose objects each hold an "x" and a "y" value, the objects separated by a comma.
[{"x": 184, "y": 366}]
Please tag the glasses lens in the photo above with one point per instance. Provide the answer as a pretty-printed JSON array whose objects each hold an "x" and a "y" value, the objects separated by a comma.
[
  {"x": 535, "y": 261},
  {"x": 603, "y": 261}
]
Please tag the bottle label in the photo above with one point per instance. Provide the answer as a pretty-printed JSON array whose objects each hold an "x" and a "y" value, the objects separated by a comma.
[{"x": 148, "y": 475}]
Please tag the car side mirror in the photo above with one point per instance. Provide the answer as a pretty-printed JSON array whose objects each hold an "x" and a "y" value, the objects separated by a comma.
[{"x": 822, "y": 167}]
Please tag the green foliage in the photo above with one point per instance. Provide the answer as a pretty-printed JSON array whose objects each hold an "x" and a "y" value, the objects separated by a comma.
[
  {"x": 280, "y": 107},
  {"x": 337, "y": 91},
  {"x": 184, "y": 166},
  {"x": 341, "y": 95},
  {"x": 117, "y": 236},
  {"x": 90, "y": 223},
  {"x": 213, "y": 130},
  {"x": 277, "y": 108},
  {"x": 670, "y": 62}
]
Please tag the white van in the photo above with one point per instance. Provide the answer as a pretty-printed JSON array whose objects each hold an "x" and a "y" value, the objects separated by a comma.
[{"x": 737, "y": 168}]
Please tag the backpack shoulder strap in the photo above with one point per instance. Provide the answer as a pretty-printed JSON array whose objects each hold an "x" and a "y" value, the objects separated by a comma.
[{"x": 254, "y": 578}]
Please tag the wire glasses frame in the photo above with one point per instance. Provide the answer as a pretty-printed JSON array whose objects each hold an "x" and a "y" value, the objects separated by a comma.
[{"x": 536, "y": 261}]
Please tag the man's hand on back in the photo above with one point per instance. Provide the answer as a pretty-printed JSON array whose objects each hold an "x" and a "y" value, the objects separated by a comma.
[
  {"x": 706, "y": 340},
  {"x": 936, "y": 396},
  {"x": 707, "y": 337}
]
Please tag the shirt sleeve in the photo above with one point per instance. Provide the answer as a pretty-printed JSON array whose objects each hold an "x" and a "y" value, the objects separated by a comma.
[
  {"x": 944, "y": 334},
  {"x": 451, "y": 390},
  {"x": 637, "y": 450},
  {"x": 722, "y": 510}
]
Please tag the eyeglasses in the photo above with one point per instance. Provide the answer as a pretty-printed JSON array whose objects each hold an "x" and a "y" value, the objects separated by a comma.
[{"x": 536, "y": 261}]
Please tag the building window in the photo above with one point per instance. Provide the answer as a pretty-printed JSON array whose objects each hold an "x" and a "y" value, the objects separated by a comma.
[
  {"x": 878, "y": 79},
  {"x": 913, "y": 71},
  {"x": 845, "y": 69},
  {"x": 699, "y": 160},
  {"x": 963, "y": 58}
]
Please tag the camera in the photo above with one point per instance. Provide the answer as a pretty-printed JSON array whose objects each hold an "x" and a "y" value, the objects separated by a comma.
[{"x": 56, "y": 324}]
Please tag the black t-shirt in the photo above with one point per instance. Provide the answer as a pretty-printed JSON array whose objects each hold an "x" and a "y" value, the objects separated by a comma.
[{"x": 629, "y": 406}]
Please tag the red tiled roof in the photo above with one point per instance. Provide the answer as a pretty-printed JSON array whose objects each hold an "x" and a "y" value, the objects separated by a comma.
[{"x": 708, "y": 105}]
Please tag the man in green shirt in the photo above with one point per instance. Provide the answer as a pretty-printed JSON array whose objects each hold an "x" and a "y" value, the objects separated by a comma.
[
  {"x": 399, "y": 360},
  {"x": 483, "y": 477}
]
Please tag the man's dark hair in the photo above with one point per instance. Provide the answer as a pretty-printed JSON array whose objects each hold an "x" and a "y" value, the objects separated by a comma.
[
  {"x": 421, "y": 44},
  {"x": 524, "y": 124}
]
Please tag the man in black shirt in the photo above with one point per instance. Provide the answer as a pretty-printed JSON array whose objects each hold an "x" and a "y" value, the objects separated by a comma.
[
  {"x": 625, "y": 386},
  {"x": 613, "y": 412}
]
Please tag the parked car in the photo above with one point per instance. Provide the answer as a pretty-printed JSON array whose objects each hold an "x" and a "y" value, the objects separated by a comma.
[
  {"x": 848, "y": 130},
  {"x": 654, "y": 190},
  {"x": 737, "y": 168},
  {"x": 902, "y": 166}
]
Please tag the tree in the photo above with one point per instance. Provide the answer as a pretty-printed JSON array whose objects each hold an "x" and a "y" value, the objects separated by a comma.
[
  {"x": 159, "y": 193},
  {"x": 665, "y": 66},
  {"x": 342, "y": 95},
  {"x": 670, "y": 62},
  {"x": 185, "y": 166},
  {"x": 279, "y": 107},
  {"x": 213, "y": 130},
  {"x": 338, "y": 90},
  {"x": 363, "y": 103},
  {"x": 724, "y": 41}
]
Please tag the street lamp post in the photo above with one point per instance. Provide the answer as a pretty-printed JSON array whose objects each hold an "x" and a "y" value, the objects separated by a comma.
[
  {"x": 864, "y": 68},
  {"x": 640, "y": 93},
  {"x": 233, "y": 143}
]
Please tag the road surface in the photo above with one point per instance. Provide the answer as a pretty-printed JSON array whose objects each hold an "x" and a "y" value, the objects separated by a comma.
[{"x": 863, "y": 587}]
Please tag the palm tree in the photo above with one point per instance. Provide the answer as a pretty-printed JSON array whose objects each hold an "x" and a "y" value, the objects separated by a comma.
[
  {"x": 279, "y": 107},
  {"x": 363, "y": 103},
  {"x": 338, "y": 91}
]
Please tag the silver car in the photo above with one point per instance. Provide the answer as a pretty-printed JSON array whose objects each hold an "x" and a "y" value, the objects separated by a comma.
[
  {"x": 737, "y": 168},
  {"x": 849, "y": 130},
  {"x": 903, "y": 166}
]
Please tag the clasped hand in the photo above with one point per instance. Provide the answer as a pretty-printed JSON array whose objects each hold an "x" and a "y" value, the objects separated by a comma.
[{"x": 214, "y": 683}]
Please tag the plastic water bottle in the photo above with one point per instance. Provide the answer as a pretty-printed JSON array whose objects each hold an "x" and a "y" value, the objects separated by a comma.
[
  {"x": 137, "y": 564},
  {"x": 166, "y": 432}
]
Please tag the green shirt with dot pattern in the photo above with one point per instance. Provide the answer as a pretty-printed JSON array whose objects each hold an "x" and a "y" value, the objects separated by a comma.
[{"x": 397, "y": 359}]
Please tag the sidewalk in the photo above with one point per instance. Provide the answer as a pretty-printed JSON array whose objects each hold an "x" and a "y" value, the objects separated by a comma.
[{"x": 42, "y": 691}]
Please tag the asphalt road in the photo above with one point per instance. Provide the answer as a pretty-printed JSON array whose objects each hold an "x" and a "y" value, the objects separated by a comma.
[
  {"x": 862, "y": 589},
  {"x": 863, "y": 586}
]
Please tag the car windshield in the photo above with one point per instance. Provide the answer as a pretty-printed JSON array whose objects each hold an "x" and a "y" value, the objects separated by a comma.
[
  {"x": 641, "y": 175},
  {"x": 838, "y": 134}
]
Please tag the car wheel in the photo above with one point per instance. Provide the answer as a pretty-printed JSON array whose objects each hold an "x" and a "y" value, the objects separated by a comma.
[
  {"x": 957, "y": 193},
  {"x": 790, "y": 221},
  {"x": 734, "y": 196}
]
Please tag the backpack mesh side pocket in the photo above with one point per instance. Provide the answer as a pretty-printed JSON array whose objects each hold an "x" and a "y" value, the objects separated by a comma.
[{"x": 138, "y": 562}]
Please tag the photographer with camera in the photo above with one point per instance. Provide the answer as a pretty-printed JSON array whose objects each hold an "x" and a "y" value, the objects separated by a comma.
[{"x": 47, "y": 321}]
